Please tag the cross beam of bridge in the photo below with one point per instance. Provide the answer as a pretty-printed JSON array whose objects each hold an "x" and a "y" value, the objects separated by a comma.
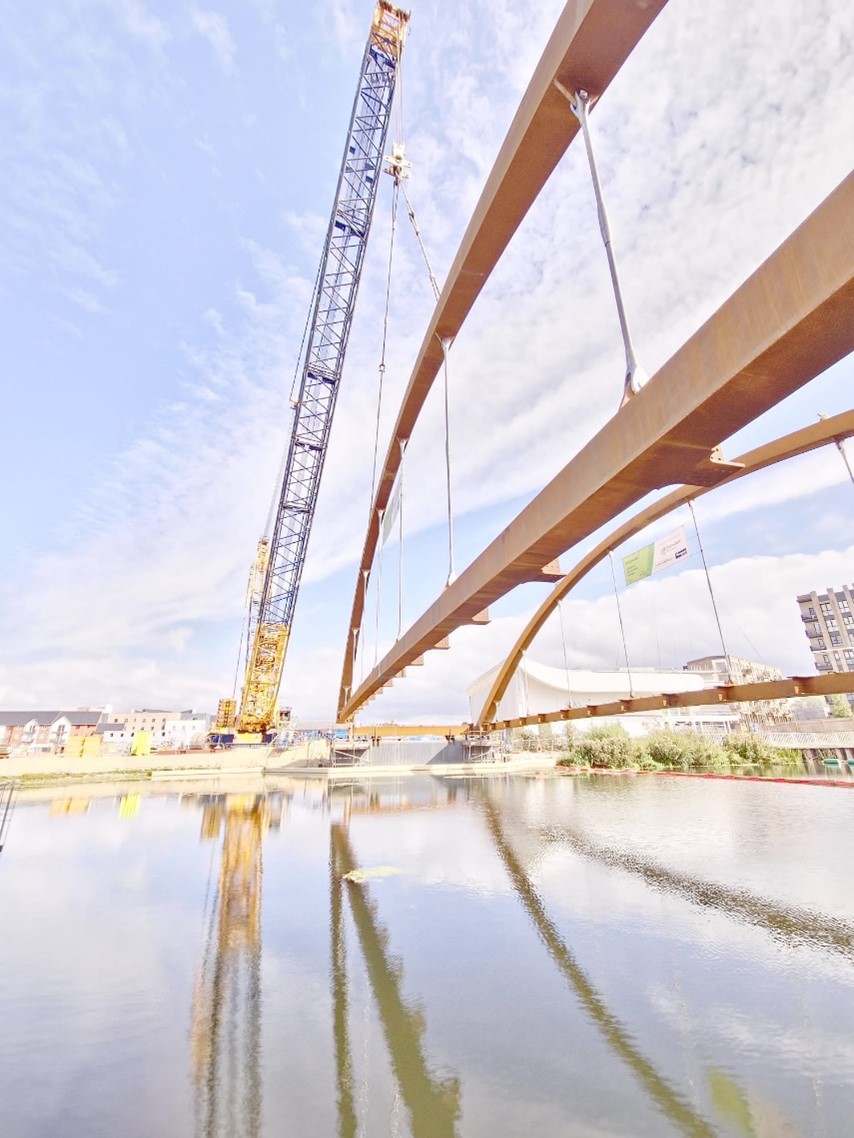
[
  {"x": 832, "y": 683},
  {"x": 789, "y": 321}
]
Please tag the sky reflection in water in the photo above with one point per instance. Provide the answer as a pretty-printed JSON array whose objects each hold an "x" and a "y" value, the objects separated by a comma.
[{"x": 429, "y": 956}]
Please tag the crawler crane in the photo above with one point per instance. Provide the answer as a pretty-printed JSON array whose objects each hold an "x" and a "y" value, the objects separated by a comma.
[{"x": 276, "y": 574}]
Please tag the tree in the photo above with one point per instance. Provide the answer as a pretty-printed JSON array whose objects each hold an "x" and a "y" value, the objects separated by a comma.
[{"x": 839, "y": 706}]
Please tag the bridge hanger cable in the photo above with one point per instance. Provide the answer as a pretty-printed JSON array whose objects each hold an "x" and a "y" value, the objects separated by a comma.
[
  {"x": 411, "y": 213},
  {"x": 636, "y": 377},
  {"x": 379, "y": 592},
  {"x": 711, "y": 594},
  {"x": 446, "y": 346},
  {"x": 361, "y": 634},
  {"x": 400, "y": 543},
  {"x": 622, "y": 628},
  {"x": 565, "y": 657},
  {"x": 382, "y": 366},
  {"x": 394, "y": 168}
]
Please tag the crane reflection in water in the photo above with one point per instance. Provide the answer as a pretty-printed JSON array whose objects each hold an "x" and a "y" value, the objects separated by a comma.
[
  {"x": 225, "y": 1036},
  {"x": 226, "y": 1015}
]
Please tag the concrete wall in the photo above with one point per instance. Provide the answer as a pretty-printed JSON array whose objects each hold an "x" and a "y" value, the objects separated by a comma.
[{"x": 402, "y": 752}]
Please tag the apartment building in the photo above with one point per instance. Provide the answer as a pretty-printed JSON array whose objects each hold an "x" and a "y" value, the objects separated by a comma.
[
  {"x": 166, "y": 729},
  {"x": 828, "y": 620},
  {"x": 46, "y": 730},
  {"x": 760, "y": 713}
]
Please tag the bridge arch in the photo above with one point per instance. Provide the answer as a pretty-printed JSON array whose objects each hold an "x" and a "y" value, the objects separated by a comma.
[{"x": 788, "y": 446}]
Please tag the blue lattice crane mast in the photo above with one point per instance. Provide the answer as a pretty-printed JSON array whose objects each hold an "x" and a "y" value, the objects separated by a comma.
[{"x": 275, "y": 580}]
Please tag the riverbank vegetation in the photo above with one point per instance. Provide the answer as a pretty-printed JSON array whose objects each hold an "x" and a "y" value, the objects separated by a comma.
[{"x": 612, "y": 748}]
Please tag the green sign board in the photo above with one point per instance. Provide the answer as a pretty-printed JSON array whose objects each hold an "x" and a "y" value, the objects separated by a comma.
[{"x": 639, "y": 564}]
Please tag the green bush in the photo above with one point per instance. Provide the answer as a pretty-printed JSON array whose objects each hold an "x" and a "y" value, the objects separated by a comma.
[
  {"x": 685, "y": 751},
  {"x": 607, "y": 747},
  {"x": 611, "y": 747},
  {"x": 745, "y": 748}
]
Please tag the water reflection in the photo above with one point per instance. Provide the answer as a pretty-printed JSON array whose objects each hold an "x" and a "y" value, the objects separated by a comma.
[
  {"x": 680, "y": 1020},
  {"x": 225, "y": 1037},
  {"x": 673, "y": 1105},
  {"x": 433, "y": 1104},
  {"x": 347, "y": 1121},
  {"x": 7, "y": 800},
  {"x": 789, "y": 924}
]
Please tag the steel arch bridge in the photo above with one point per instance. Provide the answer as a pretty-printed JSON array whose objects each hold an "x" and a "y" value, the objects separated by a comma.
[{"x": 788, "y": 322}]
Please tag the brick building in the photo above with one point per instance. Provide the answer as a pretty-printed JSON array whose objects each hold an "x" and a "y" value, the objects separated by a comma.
[{"x": 46, "y": 730}]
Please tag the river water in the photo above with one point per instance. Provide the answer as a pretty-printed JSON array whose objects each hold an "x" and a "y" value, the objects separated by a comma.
[{"x": 546, "y": 956}]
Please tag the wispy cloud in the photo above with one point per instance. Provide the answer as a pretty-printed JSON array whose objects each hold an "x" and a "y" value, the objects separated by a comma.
[
  {"x": 213, "y": 26},
  {"x": 142, "y": 24},
  {"x": 146, "y": 566}
]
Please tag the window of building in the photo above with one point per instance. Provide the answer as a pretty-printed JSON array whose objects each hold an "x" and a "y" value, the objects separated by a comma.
[
  {"x": 826, "y": 658},
  {"x": 848, "y": 621},
  {"x": 831, "y": 624},
  {"x": 835, "y": 639},
  {"x": 849, "y": 656},
  {"x": 826, "y": 608},
  {"x": 843, "y": 603},
  {"x": 837, "y": 657},
  {"x": 820, "y": 644}
]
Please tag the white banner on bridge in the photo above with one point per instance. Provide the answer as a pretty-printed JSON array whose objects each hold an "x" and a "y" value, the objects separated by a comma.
[{"x": 670, "y": 549}]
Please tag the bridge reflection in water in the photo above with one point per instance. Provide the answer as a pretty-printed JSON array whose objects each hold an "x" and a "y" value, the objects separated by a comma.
[{"x": 226, "y": 1021}]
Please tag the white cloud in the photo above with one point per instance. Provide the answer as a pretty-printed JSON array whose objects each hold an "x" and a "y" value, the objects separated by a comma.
[
  {"x": 213, "y": 26},
  {"x": 142, "y": 24},
  {"x": 85, "y": 300},
  {"x": 346, "y": 22}
]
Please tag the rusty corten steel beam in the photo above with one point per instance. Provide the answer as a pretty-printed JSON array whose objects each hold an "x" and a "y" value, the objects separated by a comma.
[
  {"x": 400, "y": 730},
  {"x": 591, "y": 41},
  {"x": 789, "y": 321},
  {"x": 789, "y": 446},
  {"x": 831, "y": 683}
]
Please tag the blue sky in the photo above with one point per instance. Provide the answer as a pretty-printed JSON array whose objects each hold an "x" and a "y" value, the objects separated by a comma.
[{"x": 169, "y": 171}]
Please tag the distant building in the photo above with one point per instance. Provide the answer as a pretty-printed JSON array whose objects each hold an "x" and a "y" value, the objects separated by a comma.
[
  {"x": 168, "y": 729},
  {"x": 46, "y": 730},
  {"x": 111, "y": 733},
  {"x": 761, "y": 713},
  {"x": 828, "y": 620}
]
